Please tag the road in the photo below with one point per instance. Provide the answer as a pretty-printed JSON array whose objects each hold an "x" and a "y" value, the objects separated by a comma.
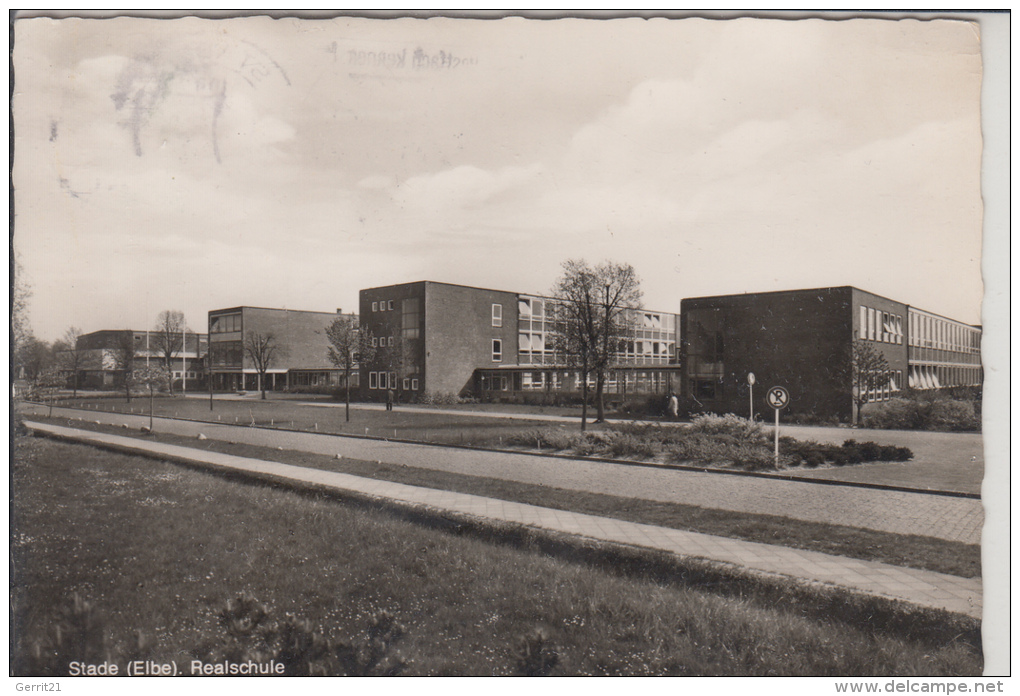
[{"x": 956, "y": 519}]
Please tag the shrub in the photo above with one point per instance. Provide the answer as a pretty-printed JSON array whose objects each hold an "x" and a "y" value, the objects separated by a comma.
[
  {"x": 919, "y": 413},
  {"x": 734, "y": 426},
  {"x": 443, "y": 399},
  {"x": 953, "y": 415},
  {"x": 626, "y": 445}
]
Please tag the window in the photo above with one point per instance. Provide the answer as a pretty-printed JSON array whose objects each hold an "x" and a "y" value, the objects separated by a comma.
[
  {"x": 414, "y": 385},
  {"x": 497, "y": 315},
  {"x": 497, "y": 349},
  {"x": 407, "y": 383},
  {"x": 375, "y": 306},
  {"x": 372, "y": 380},
  {"x": 389, "y": 341},
  {"x": 393, "y": 380},
  {"x": 389, "y": 305},
  {"x": 375, "y": 342}
]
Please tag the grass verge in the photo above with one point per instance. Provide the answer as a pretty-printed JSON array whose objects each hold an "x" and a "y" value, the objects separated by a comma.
[
  {"x": 158, "y": 550},
  {"x": 939, "y": 555}
]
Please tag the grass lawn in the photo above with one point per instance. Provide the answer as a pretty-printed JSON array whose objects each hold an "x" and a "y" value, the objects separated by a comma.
[
  {"x": 942, "y": 461},
  {"x": 405, "y": 423},
  {"x": 159, "y": 549},
  {"x": 943, "y": 556}
]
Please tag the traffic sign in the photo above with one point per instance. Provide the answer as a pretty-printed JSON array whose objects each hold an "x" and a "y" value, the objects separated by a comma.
[{"x": 777, "y": 397}]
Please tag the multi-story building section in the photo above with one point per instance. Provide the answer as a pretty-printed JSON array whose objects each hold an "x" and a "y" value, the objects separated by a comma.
[
  {"x": 452, "y": 339},
  {"x": 942, "y": 352},
  {"x": 301, "y": 359},
  {"x": 802, "y": 340},
  {"x": 103, "y": 364}
]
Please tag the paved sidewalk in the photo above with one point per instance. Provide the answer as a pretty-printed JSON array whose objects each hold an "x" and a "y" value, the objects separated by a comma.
[
  {"x": 921, "y": 587},
  {"x": 898, "y": 512}
]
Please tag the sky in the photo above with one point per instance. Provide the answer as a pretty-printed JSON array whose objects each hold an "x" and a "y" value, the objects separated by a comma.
[{"x": 198, "y": 164}]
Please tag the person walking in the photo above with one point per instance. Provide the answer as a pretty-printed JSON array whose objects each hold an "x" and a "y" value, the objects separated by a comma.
[
  {"x": 673, "y": 406},
  {"x": 389, "y": 399}
]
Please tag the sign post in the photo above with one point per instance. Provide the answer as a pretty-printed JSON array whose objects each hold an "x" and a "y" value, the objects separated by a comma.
[
  {"x": 750, "y": 384},
  {"x": 777, "y": 398}
]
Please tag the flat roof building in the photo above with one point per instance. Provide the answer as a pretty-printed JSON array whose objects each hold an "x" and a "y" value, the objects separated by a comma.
[
  {"x": 802, "y": 339},
  {"x": 103, "y": 363},
  {"x": 301, "y": 358},
  {"x": 440, "y": 338}
]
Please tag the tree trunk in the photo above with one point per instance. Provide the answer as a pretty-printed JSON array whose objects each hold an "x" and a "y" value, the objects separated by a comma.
[
  {"x": 347, "y": 388},
  {"x": 600, "y": 386},
  {"x": 584, "y": 401}
]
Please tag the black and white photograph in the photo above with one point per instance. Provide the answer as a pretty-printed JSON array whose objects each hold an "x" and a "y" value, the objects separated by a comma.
[{"x": 503, "y": 344}]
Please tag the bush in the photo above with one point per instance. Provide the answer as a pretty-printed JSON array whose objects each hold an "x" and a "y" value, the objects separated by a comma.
[
  {"x": 955, "y": 416},
  {"x": 740, "y": 428},
  {"x": 923, "y": 414},
  {"x": 443, "y": 399}
]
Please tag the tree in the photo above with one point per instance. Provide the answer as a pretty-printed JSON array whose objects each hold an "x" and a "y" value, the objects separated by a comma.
[
  {"x": 348, "y": 345},
  {"x": 262, "y": 349},
  {"x": 124, "y": 360},
  {"x": 34, "y": 356},
  {"x": 868, "y": 370},
  {"x": 47, "y": 384},
  {"x": 21, "y": 331},
  {"x": 594, "y": 307},
  {"x": 153, "y": 379},
  {"x": 74, "y": 356},
  {"x": 168, "y": 340}
]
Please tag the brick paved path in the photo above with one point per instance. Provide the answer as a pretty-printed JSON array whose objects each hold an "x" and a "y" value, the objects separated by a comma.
[
  {"x": 921, "y": 587},
  {"x": 955, "y": 519}
]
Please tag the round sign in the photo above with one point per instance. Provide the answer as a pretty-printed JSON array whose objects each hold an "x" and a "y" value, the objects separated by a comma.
[
  {"x": 777, "y": 397},
  {"x": 750, "y": 378}
]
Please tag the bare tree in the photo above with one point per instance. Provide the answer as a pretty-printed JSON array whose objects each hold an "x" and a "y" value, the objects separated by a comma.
[
  {"x": 47, "y": 384},
  {"x": 263, "y": 350},
  {"x": 594, "y": 304},
  {"x": 348, "y": 345},
  {"x": 168, "y": 340},
  {"x": 153, "y": 379},
  {"x": 21, "y": 331},
  {"x": 74, "y": 356},
  {"x": 868, "y": 370},
  {"x": 124, "y": 360}
]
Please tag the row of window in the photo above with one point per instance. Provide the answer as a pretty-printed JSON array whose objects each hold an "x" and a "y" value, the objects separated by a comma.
[
  {"x": 388, "y": 380},
  {"x": 382, "y": 342},
  {"x": 540, "y": 380},
  {"x": 382, "y": 306},
  {"x": 933, "y": 332},
  {"x": 225, "y": 323},
  {"x": 877, "y": 325},
  {"x": 939, "y": 376},
  {"x": 883, "y": 386}
]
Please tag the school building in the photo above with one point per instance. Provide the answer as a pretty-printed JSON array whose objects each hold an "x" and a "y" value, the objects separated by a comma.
[
  {"x": 441, "y": 338},
  {"x": 102, "y": 366},
  {"x": 300, "y": 361},
  {"x": 801, "y": 339}
]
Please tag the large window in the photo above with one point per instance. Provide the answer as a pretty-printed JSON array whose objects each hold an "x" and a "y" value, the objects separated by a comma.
[
  {"x": 497, "y": 350},
  {"x": 373, "y": 380},
  {"x": 410, "y": 322},
  {"x": 225, "y": 323},
  {"x": 497, "y": 315}
]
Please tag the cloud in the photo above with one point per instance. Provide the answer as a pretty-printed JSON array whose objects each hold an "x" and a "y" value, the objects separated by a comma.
[{"x": 459, "y": 188}]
